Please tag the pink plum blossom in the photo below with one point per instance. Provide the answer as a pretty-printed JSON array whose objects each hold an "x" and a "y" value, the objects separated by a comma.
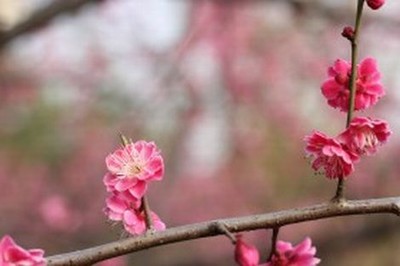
[
  {"x": 137, "y": 189},
  {"x": 364, "y": 135},
  {"x": 302, "y": 254},
  {"x": 368, "y": 87},
  {"x": 375, "y": 4},
  {"x": 245, "y": 254},
  {"x": 135, "y": 222},
  {"x": 118, "y": 203},
  {"x": 122, "y": 207},
  {"x": 13, "y": 255},
  {"x": 133, "y": 164},
  {"x": 335, "y": 159}
]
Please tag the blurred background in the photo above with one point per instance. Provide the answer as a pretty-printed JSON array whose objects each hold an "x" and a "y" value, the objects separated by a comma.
[{"x": 227, "y": 90}]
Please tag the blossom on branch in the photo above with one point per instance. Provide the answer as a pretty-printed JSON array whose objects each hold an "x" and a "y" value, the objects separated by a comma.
[
  {"x": 136, "y": 162},
  {"x": 364, "y": 135},
  {"x": 336, "y": 160},
  {"x": 130, "y": 169},
  {"x": 13, "y": 255},
  {"x": 122, "y": 207},
  {"x": 136, "y": 189},
  {"x": 246, "y": 254},
  {"x": 134, "y": 221},
  {"x": 336, "y": 88},
  {"x": 302, "y": 254}
]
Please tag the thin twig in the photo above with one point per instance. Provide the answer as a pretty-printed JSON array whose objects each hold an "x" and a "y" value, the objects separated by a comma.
[
  {"x": 339, "y": 196},
  {"x": 147, "y": 213},
  {"x": 221, "y": 228},
  {"x": 41, "y": 18},
  {"x": 274, "y": 238},
  {"x": 206, "y": 229}
]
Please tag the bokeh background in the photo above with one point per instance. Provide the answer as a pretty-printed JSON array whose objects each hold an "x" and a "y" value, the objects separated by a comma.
[{"x": 227, "y": 90}]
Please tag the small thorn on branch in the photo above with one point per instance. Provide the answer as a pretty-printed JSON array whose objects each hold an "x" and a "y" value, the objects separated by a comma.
[{"x": 222, "y": 228}]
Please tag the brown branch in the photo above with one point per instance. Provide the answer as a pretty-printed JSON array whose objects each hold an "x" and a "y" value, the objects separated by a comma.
[
  {"x": 41, "y": 18},
  {"x": 207, "y": 229}
]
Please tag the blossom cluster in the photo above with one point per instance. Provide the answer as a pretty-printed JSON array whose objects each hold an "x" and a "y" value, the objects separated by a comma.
[
  {"x": 335, "y": 157},
  {"x": 350, "y": 90},
  {"x": 285, "y": 254},
  {"x": 13, "y": 255},
  {"x": 130, "y": 169}
]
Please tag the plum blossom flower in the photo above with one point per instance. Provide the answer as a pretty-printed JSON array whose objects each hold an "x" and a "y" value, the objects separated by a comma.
[
  {"x": 245, "y": 254},
  {"x": 302, "y": 254},
  {"x": 122, "y": 207},
  {"x": 13, "y": 255},
  {"x": 364, "y": 135},
  {"x": 132, "y": 165},
  {"x": 135, "y": 222},
  {"x": 368, "y": 87},
  {"x": 375, "y": 4},
  {"x": 137, "y": 189},
  {"x": 335, "y": 159}
]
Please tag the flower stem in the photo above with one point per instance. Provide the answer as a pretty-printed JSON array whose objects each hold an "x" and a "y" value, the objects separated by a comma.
[
  {"x": 147, "y": 213},
  {"x": 275, "y": 232},
  {"x": 354, "y": 51},
  {"x": 352, "y": 87}
]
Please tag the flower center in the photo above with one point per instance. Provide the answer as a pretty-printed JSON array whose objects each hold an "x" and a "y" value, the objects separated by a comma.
[{"x": 132, "y": 169}]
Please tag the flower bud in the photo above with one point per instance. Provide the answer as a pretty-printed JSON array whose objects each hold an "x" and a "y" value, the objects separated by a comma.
[
  {"x": 348, "y": 33},
  {"x": 375, "y": 4}
]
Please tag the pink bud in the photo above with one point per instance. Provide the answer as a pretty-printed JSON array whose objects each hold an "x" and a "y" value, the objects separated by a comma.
[
  {"x": 245, "y": 254},
  {"x": 348, "y": 33},
  {"x": 375, "y": 4}
]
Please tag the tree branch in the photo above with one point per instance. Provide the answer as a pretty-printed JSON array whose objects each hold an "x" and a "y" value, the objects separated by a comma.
[
  {"x": 210, "y": 228},
  {"x": 41, "y": 18}
]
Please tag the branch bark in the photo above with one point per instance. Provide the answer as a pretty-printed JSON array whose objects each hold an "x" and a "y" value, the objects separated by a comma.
[
  {"x": 41, "y": 18},
  {"x": 211, "y": 228}
]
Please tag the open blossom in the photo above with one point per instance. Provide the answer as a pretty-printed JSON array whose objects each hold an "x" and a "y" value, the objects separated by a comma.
[
  {"x": 245, "y": 254},
  {"x": 121, "y": 206},
  {"x": 330, "y": 155},
  {"x": 135, "y": 222},
  {"x": 132, "y": 165},
  {"x": 136, "y": 189},
  {"x": 13, "y": 255},
  {"x": 364, "y": 135},
  {"x": 375, "y": 4},
  {"x": 368, "y": 87},
  {"x": 302, "y": 254},
  {"x": 118, "y": 203}
]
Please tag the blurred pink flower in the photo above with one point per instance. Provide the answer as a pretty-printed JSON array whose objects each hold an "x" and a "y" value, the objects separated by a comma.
[
  {"x": 329, "y": 154},
  {"x": 375, "y": 4},
  {"x": 139, "y": 161},
  {"x": 13, "y": 255},
  {"x": 57, "y": 215},
  {"x": 300, "y": 255},
  {"x": 364, "y": 135},
  {"x": 368, "y": 87},
  {"x": 245, "y": 254}
]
